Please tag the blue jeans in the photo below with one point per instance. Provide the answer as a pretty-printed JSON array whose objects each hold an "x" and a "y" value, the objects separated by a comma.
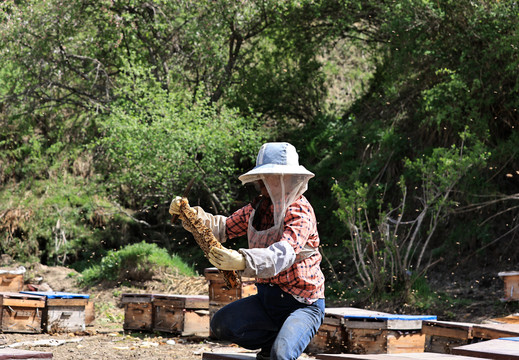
[{"x": 270, "y": 319}]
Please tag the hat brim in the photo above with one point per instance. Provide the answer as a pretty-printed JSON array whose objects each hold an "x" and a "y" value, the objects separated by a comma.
[{"x": 274, "y": 169}]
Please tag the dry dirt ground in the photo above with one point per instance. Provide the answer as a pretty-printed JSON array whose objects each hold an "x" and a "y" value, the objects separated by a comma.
[{"x": 106, "y": 339}]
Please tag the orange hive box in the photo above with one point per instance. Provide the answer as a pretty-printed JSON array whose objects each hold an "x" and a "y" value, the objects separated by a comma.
[
  {"x": 511, "y": 280},
  {"x": 443, "y": 336},
  {"x": 181, "y": 314},
  {"x": 138, "y": 311},
  {"x": 331, "y": 338},
  {"x": 385, "y": 334},
  {"x": 220, "y": 294},
  {"x": 21, "y": 312},
  {"x": 11, "y": 280}
]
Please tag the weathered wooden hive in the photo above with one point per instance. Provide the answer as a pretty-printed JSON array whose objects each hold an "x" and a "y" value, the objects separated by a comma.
[
  {"x": 184, "y": 315},
  {"x": 64, "y": 312},
  {"x": 21, "y": 312}
]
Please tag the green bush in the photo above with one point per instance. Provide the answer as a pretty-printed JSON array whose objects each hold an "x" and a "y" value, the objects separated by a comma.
[{"x": 136, "y": 262}]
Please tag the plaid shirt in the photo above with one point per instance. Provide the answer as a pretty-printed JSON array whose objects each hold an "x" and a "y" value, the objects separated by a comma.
[{"x": 303, "y": 278}]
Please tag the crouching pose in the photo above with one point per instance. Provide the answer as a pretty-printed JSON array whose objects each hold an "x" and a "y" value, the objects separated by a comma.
[{"x": 283, "y": 255}]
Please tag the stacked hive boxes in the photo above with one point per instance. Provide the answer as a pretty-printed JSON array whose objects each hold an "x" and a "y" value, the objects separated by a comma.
[
  {"x": 220, "y": 295},
  {"x": 36, "y": 312},
  {"x": 360, "y": 331},
  {"x": 63, "y": 312},
  {"x": 182, "y": 314},
  {"x": 178, "y": 314}
]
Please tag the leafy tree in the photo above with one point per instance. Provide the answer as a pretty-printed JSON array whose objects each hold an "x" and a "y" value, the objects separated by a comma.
[
  {"x": 153, "y": 142},
  {"x": 389, "y": 244}
]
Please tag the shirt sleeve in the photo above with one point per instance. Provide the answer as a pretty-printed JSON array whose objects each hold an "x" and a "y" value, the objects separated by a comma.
[{"x": 268, "y": 262}]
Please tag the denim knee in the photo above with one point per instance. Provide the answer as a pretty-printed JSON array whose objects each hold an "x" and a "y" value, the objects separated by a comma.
[{"x": 217, "y": 326}]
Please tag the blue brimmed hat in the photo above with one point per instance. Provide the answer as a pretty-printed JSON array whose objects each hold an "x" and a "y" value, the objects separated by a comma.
[{"x": 276, "y": 158}]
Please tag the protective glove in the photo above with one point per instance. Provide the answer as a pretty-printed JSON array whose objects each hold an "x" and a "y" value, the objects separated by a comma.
[
  {"x": 174, "y": 207},
  {"x": 226, "y": 259}
]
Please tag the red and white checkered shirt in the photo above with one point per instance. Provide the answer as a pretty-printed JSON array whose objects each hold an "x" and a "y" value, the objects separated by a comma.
[{"x": 304, "y": 278}]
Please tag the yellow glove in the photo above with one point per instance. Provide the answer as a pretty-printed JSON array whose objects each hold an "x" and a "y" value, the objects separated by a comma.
[
  {"x": 226, "y": 259},
  {"x": 174, "y": 207}
]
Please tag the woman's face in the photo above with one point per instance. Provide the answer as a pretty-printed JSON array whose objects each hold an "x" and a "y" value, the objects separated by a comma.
[{"x": 260, "y": 187}]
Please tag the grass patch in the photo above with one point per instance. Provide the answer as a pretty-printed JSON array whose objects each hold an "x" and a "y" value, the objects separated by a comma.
[{"x": 135, "y": 262}]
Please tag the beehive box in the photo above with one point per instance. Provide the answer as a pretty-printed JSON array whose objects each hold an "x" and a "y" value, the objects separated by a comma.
[
  {"x": 181, "y": 314},
  {"x": 11, "y": 280},
  {"x": 220, "y": 295},
  {"x": 385, "y": 334},
  {"x": 64, "y": 312},
  {"x": 331, "y": 337},
  {"x": 138, "y": 311},
  {"x": 21, "y": 312},
  {"x": 443, "y": 336},
  {"x": 511, "y": 289}
]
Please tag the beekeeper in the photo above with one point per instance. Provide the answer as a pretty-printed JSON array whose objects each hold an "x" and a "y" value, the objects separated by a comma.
[{"x": 283, "y": 255}]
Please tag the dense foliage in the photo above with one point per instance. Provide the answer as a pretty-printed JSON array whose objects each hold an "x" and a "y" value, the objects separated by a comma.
[{"x": 405, "y": 110}]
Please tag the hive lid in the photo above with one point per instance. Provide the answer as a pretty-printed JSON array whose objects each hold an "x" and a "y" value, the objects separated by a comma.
[
  {"x": 393, "y": 317},
  {"x": 57, "y": 294},
  {"x": 19, "y": 295},
  {"x": 508, "y": 273}
]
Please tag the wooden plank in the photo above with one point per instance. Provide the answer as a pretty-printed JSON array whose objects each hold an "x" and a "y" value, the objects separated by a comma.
[
  {"x": 405, "y": 343},
  {"x": 417, "y": 356},
  {"x": 182, "y": 301},
  {"x": 387, "y": 321},
  {"x": 456, "y": 330},
  {"x": 394, "y": 324},
  {"x": 494, "y": 331},
  {"x": 342, "y": 312},
  {"x": 136, "y": 298},
  {"x": 67, "y": 302},
  {"x": 496, "y": 349},
  {"x": 24, "y": 303},
  {"x": 225, "y": 356},
  {"x": 90, "y": 314},
  {"x": 7, "y": 354}
]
